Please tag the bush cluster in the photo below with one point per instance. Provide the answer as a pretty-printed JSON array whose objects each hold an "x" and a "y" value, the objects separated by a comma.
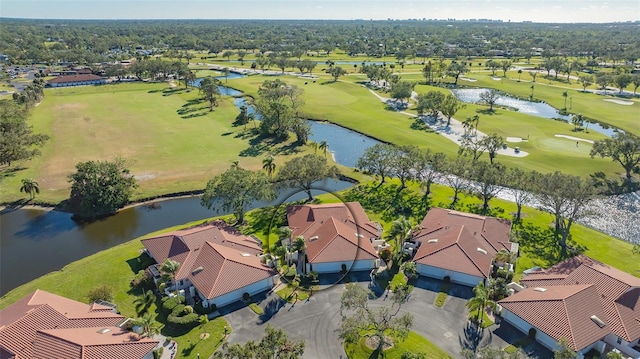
[
  {"x": 169, "y": 304},
  {"x": 178, "y": 313}
]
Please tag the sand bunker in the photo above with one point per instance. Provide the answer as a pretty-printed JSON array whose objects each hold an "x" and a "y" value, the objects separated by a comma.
[
  {"x": 496, "y": 78},
  {"x": 575, "y": 138},
  {"x": 619, "y": 102},
  {"x": 514, "y": 139},
  {"x": 468, "y": 79}
]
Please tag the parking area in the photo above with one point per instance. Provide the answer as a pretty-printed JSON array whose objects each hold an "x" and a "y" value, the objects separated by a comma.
[{"x": 316, "y": 319}]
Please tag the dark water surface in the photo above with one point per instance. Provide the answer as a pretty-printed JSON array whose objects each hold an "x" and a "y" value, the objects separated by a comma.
[{"x": 34, "y": 242}]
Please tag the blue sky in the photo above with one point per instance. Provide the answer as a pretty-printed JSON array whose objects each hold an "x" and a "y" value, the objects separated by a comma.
[{"x": 514, "y": 10}]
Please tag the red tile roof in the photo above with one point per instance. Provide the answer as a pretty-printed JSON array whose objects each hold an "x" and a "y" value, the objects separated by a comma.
[
  {"x": 181, "y": 246},
  {"x": 455, "y": 249},
  {"x": 25, "y": 322},
  {"x": 462, "y": 242},
  {"x": 225, "y": 269},
  {"x": 617, "y": 292},
  {"x": 561, "y": 312},
  {"x": 334, "y": 232},
  {"x": 74, "y": 78},
  {"x": 211, "y": 257}
]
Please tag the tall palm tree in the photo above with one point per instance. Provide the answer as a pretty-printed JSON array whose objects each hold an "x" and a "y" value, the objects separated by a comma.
[
  {"x": 402, "y": 230},
  {"x": 324, "y": 146},
  {"x": 269, "y": 165},
  {"x": 148, "y": 325},
  {"x": 314, "y": 145},
  {"x": 300, "y": 246},
  {"x": 480, "y": 302},
  {"x": 144, "y": 302},
  {"x": 565, "y": 95},
  {"x": 30, "y": 186},
  {"x": 170, "y": 268}
]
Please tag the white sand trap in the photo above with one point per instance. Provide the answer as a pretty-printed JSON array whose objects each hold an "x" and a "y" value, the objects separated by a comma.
[
  {"x": 468, "y": 79},
  {"x": 575, "y": 138},
  {"x": 496, "y": 78},
  {"x": 144, "y": 176},
  {"x": 619, "y": 102},
  {"x": 514, "y": 139}
]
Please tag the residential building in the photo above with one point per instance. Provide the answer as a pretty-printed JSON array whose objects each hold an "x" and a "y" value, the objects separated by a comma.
[
  {"x": 45, "y": 325},
  {"x": 217, "y": 263},
  {"x": 338, "y": 237},
  {"x": 460, "y": 245},
  {"x": 76, "y": 80},
  {"x": 588, "y": 303}
]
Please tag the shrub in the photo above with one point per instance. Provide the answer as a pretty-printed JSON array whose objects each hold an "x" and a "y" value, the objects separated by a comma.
[
  {"x": 157, "y": 353},
  {"x": 188, "y": 319},
  {"x": 169, "y": 304},
  {"x": 102, "y": 292},
  {"x": 385, "y": 254},
  {"x": 142, "y": 279},
  {"x": 202, "y": 310},
  {"x": 188, "y": 309}
]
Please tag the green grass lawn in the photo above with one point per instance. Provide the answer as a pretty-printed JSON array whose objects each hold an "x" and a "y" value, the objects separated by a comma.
[
  {"x": 115, "y": 267},
  {"x": 588, "y": 104},
  {"x": 353, "y": 106},
  {"x": 171, "y": 140},
  {"x": 414, "y": 344},
  {"x": 287, "y": 294}
]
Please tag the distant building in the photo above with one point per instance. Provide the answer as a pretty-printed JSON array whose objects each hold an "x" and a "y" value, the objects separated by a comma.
[
  {"x": 76, "y": 80},
  {"x": 45, "y": 325}
]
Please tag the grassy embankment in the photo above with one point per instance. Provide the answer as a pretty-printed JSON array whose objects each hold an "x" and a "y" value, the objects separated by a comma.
[{"x": 171, "y": 140}]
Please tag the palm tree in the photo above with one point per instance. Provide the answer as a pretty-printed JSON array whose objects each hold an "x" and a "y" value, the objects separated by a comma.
[
  {"x": 235, "y": 164},
  {"x": 148, "y": 325},
  {"x": 30, "y": 186},
  {"x": 480, "y": 302},
  {"x": 565, "y": 94},
  {"x": 504, "y": 256},
  {"x": 324, "y": 146},
  {"x": 300, "y": 246},
  {"x": 203, "y": 320},
  {"x": 269, "y": 165},
  {"x": 144, "y": 303},
  {"x": 314, "y": 145},
  {"x": 170, "y": 268},
  {"x": 519, "y": 74},
  {"x": 402, "y": 230}
]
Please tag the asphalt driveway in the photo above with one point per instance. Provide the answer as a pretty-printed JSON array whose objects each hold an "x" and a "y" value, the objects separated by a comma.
[{"x": 316, "y": 320}]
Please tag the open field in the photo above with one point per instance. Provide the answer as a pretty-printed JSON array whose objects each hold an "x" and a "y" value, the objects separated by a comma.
[
  {"x": 353, "y": 106},
  {"x": 170, "y": 138}
]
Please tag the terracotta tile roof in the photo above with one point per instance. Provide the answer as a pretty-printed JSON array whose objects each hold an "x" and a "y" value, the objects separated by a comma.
[
  {"x": 334, "y": 232},
  {"x": 454, "y": 249},
  {"x": 562, "y": 312},
  {"x": 181, "y": 246},
  {"x": 304, "y": 219},
  {"x": 74, "y": 78},
  {"x": 494, "y": 232},
  {"x": 617, "y": 291},
  {"x": 27, "y": 319},
  {"x": 92, "y": 343},
  {"x": 225, "y": 269},
  {"x": 336, "y": 241}
]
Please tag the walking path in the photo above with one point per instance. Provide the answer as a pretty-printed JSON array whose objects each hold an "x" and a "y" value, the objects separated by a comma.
[{"x": 454, "y": 132}]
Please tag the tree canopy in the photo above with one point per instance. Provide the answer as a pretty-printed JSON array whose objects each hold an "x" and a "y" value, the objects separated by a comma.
[
  {"x": 100, "y": 188},
  {"x": 17, "y": 140},
  {"x": 275, "y": 344},
  {"x": 623, "y": 148},
  {"x": 235, "y": 189},
  {"x": 302, "y": 172}
]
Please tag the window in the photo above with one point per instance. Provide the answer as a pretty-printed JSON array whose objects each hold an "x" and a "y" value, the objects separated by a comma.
[
  {"x": 181, "y": 282},
  {"x": 619, "y": 341}
]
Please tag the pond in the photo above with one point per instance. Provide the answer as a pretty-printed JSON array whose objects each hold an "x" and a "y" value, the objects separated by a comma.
[
  {"x": 36, "y": 242},
  {"x": 345, "y": 145},
  {"x": 539, "y": 109}
]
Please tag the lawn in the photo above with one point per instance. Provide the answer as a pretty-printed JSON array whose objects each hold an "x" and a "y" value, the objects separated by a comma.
[
  {"x": 353, "y": 106},
  {"x": 588, "y": 104},
  {"x": 171, "y": 140},
  {"x": 414, "y": 344},
  {"x": 115, "y": 267}
]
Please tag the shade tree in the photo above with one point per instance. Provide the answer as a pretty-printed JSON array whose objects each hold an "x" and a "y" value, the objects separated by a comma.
[
  {"x": 623, "y": 148},
  {"x": 303, "y": 171}
]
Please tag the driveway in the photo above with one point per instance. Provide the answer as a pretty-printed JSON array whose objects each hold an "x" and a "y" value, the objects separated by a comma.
[{"x": 316, "y": 320}]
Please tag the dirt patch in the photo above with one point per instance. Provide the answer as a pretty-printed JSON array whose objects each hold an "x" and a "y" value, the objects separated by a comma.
[
  {"x": 204, "y": 336},
  {"x": 372, "y": 343}
]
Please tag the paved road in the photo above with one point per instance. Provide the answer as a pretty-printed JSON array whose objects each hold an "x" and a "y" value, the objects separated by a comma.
[{"x": 316, "y": 320}]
